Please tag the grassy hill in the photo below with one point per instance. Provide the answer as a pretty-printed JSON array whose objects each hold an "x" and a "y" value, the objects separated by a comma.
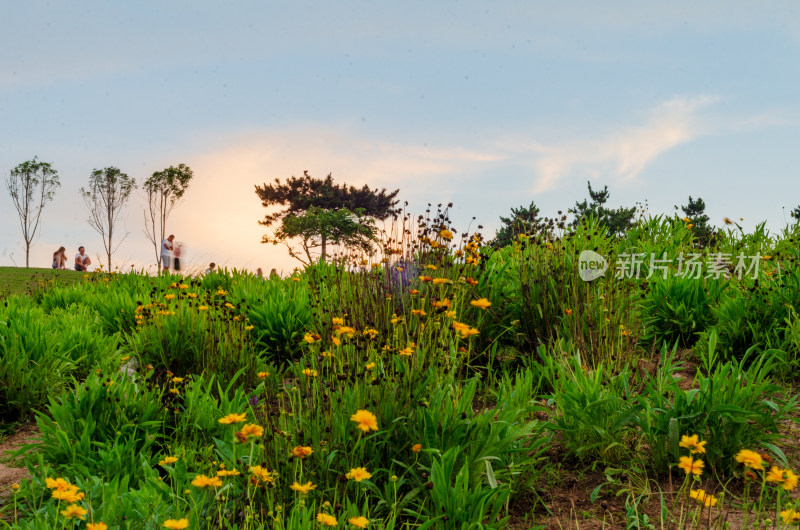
[{"x": 21, "y": 280}]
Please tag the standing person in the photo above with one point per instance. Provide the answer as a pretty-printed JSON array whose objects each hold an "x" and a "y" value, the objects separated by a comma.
[
  {"x": 82, "y": 261},
  {"x": 60, "y": 259},
  {"x": 176, "y": 252},
  {"x": 166, "y": 253}
]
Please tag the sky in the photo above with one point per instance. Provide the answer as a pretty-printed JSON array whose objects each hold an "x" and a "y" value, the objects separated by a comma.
[{"x": 489, "y": 105}]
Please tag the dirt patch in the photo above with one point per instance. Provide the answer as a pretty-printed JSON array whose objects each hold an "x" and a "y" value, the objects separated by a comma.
[{"x": 10, "y": 472}]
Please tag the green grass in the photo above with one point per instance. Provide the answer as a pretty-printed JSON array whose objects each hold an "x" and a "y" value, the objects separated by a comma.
[{"x": 21, "y": 280}]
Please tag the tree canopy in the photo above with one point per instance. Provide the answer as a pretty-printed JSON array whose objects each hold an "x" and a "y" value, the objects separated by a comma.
[
  {"x": 164, "y": 189},
  {"x": 695, "y": 212},
  {"x": 320, "y": 211},
  {"x": 31, "y": 185},
  {"x": 109, "y": 190},
  {"x": 616, "y": 221},
  {"x": 523, "y": 220}
]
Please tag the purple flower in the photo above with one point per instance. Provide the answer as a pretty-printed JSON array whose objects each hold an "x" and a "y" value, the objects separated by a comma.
[{"x": 254, "y": 400}]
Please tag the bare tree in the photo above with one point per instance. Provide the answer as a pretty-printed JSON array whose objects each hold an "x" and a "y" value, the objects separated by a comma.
[
  {"x": 31, "y": 185},
  {"x": 109, "y": 190},
  {"x": 164, "y": 189}
]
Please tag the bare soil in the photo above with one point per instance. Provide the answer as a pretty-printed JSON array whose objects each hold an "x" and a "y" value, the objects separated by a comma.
[{"x": 10, "y": 470}]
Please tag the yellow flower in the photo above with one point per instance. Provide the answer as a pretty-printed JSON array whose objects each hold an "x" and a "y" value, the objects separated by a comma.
[
  {"x": 302, "y": 452},
  {"x": 310, "y": 372},
  {"x": 693, "y": 444},
  {"x": 251, "y": 429},
  {"x": 691, "y": 465},
  {"x": 191, "y": 295},
  {"x": 295, "y": 279},
  {"x": 347, "y": 331},
  {"x": 416, "y": 448},
  {"x": 336, "y": 341},
  {"x": 228, "y": 473},
  {"x": 418, "y": 312},
  {"x": 262, "y": 375},
  {"x": 176, "y": 524},
  {"x": 406, "y": 352},
  {"x": 727, "y": 221},
  {"x": 177, "y": 379},
  {"x": 431, "y": 267},
  {"x": 309, "y": 338},
  {"x": 336, "y": 321},
  {"x": 366, "y": 420},
  {"x": 15, "y": 487},
  {"x": 221, "y": 292},
  {"x": 170, "y": 296},
  {"x": 358, "y": 474},
  {"x": 482, "y": 303},
  {"x": 359, "y": 522},
  {"x": 303, "y": 488},
  {"x": 439, "y": 281},
  {"x": 74, "y": 511},
  {"x": 690, "y": 226},
  {"x": 229, "y": 305},
  {"x": 96, "y": 526},
  {"x": 201, "y": 481},
  {"x": 70, "y": 494},
  {"x": 262, "y": 474},
  {"x": 233, "y": 418},
  {"x": 425, "y": 279},
  {"x": 248, "y": 328},
  {"x": 326, "y": 519},
  {"x": 168, "y": 460},
  {"x": 785, "y": 477},
  {"x": 750, "y": 459},
  {"x": 447, "y": 235},
  {"x": 58, "y": 483},
  {"x": 706, "y": 499},
  {"x": 369, "y": 366},
  {"x": 371, "y": 333},
  {"x": 686, "y": 220},
  {"x": 199, "y": 308},
  {"x": 790, "y": 516},
  {"x": 183, "y": 286},
  {"x": 326, "y": 354}
]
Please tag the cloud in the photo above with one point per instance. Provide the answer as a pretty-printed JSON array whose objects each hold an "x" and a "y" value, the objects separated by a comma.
[{"x": 625, "y": 153}]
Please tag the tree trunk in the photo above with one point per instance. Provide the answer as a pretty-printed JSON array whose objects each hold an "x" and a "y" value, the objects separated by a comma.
[{"x": 324, "y": 242}]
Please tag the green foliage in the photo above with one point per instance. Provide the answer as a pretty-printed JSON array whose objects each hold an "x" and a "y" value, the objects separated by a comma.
[
  {"x": 318, "y": 227},
  {"x": 34, "y": 364},
  {"x": 281, "y": 316},
  {"x": 106, "y": 426},
  {"x": 523, "y": 221},
  {"x": 677, "y": 309},
  {"x": 616, "y": 221}
]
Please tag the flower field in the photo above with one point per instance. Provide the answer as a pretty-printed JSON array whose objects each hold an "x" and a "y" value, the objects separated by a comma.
[{"x": 440, "y": 384}]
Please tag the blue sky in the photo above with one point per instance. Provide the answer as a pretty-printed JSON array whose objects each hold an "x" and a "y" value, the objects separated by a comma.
[{"x": 490, "y": 105}]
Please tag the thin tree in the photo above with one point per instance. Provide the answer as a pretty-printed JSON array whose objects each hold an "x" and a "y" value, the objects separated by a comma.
[
  {"x": 109, "y": 190},
  {"x": 164, "y": 189},
  {"x": 31, "y": 185}
]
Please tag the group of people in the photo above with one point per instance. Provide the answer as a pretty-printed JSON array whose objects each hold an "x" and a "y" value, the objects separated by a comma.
[
  {"x": 170, "y": 258},
  {"x": 170, "y": 254},
  {"x": 82, "y": 261}
]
